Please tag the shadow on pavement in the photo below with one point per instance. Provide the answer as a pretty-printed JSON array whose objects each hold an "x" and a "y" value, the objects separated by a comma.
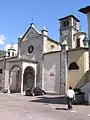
[
  {"x": 50, "y": 100},
  {"x": 61, "y": 108}
]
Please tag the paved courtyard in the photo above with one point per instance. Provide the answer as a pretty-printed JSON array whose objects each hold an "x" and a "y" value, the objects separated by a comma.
[{"x": 17, "y": 107}]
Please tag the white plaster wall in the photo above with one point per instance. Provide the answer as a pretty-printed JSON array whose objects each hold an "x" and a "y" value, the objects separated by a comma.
[
  {"x": 48, "y": 48},
  {"x": 86, "y": 61},
  {"x": 52, "y": 73},
  {"x": 86, "y": 87},
  {"x": 73, "y": 40},
  {"x": 81, "y": 37},
  {"x": 15, "y": 63},
  {"x": 78, "y": 78},
  {"x": 81, "y": 40}
]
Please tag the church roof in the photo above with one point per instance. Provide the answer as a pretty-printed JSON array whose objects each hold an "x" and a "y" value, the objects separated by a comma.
[
  {"x": 51, "y": 52},
  {"x": 85, "y": 10},
  {"x": 50, "y": 39},
  {"x": 70, "y": 16},
  {"x": 80, "y": 48},
  {"x": 80, "y": 33}
]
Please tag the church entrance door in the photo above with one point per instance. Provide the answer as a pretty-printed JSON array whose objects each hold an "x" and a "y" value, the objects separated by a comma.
[{"x": 28, "y": 78}]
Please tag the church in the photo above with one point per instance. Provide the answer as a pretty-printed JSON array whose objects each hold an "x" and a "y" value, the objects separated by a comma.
[{"x": 46, "y": 63}]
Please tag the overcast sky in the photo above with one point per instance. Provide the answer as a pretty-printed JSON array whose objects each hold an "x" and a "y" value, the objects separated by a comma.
[{"x": 16, "y": 16}]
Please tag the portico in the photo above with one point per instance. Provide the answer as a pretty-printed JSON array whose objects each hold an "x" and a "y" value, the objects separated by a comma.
[{"x": 22, "y": 75}]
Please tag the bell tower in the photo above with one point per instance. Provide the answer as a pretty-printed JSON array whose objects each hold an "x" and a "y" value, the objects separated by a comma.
[{"x": 69, "y": 25}]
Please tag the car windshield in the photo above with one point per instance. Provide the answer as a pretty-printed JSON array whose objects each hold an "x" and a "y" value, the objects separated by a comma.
[{"x": 36, "y": 89}]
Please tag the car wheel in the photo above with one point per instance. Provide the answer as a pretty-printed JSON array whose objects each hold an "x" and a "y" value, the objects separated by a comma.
[{"x": 33, "y": 94}]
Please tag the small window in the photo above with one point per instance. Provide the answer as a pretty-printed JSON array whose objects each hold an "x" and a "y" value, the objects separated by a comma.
[
  {"x": 78, "y": 42},
  {"x": 74, "y": 24},
  {"x": 1, "y": 70},
  {"x": 64, "y": 23},
  {"x": 52, "y": 47},
  {"x": 8, "y": 53},
  {"x": 12, "y": 53},
  {"x": 65, "y": 37},
  {"x": 73, "y": 66},
  {"x": 67, "y": 22}
]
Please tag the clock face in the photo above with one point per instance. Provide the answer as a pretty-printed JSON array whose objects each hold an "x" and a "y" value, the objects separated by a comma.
[{"x": 30, "y": 49}]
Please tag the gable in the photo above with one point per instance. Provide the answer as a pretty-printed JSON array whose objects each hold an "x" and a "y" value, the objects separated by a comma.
[
  {"x": 31, "y": 44},
  {"x": 31, "y": 33}
]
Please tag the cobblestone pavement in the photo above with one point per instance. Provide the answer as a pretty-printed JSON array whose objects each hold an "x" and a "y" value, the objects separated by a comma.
[{"x": 17, "y": 107}]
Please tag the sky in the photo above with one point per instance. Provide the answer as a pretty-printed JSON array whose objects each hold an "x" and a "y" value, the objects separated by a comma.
[{"x": 17, "y": 15}]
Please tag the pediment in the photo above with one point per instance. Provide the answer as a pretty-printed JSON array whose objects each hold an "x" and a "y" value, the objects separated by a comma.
[{"x": 30, "y": 34}]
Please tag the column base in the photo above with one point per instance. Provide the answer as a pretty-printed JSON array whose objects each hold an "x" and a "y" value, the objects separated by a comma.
[
  {"x": 23, "y": 93},
  {"x": 8, "y": 91}
]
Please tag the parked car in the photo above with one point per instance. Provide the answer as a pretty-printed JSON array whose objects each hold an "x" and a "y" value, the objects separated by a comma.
[
  {"x": 35, "y": 91},
  {"x": 78, "y": 91},
  {"x": 28, "y": 92},
  {"x": 79, "y": 96}
]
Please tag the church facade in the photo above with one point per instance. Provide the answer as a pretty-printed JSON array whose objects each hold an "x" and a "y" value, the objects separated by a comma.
[{"x": 46, "y": 63}]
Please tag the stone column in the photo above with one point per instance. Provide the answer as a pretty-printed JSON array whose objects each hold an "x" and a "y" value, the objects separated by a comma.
[
  {"x": 9, "y": 83},
  {"x": 44, "y": 50},
  {"x": 63, "y": 68},
  {"x": 43, "y": 73},
  {"x": 35, "y": 79},
  {"x": 19, "y": 47},
  {"x": 22, "y": 72},
  {"x": 44, "y": 37}
]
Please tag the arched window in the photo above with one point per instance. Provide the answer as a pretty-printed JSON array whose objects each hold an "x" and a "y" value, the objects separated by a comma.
[
  {"x": 9, "y": 54},
  {"x": 67, "y": 22},
  {"x": 12, "y": 53},
  {"x": 73, "y": 66},
  {"x": 64, "y": 23},
  {"x": 78, "y": 42}
]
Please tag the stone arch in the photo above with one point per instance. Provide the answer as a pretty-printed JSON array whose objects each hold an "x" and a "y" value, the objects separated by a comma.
[
  {"x": 15, "y": 79},
  {"x": 28, "y": 78}
]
